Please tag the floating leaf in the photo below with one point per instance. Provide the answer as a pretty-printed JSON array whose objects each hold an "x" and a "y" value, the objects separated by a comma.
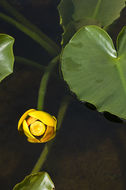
[
  {"x": 77, "y": 13},
  {"x": 38, "y": 181},
  {"x": 95, "y": 71},
  {"x": 6, "y": 55}
]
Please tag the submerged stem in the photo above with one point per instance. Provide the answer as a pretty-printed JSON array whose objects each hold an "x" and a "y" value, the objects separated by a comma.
[
  {"x": 28, "y": 62},
  {"x": 19, "y": 17},
  {"x": 45, "y": 152},
  {"x": 44, "y": 82},
  {"x": 51, "y": 50}
]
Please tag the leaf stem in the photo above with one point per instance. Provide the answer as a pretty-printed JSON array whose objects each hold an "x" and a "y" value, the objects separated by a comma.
[
  {"x": 29, "y": 63},
  {"x": 44, "y": 82},
  {"x": 19, "y": 17},
  {"x": 46, "y": 150},
  {"x": 51, "y": 50}
]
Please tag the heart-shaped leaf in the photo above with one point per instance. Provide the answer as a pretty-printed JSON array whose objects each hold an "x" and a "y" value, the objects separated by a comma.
[
  {"x": 77, "y": 13},
  {"x": 38, "y": 181},
  {"x": 6, "y": 55},
  {"x": 95, "y": 71}
]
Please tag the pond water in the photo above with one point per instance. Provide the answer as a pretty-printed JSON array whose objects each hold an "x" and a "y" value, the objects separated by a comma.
[{"x": 90, "y": 151}]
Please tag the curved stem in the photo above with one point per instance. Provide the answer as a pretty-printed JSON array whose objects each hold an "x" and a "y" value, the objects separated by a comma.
[
  {"x": 45, "y": 152},
  {"x": 44, "y": 82},
  {"x": 19, "y": 17},
  {"x": 51, "y": 50},
  {"x": 42, "y": 158},
  {"x": 29, "y": 62}
]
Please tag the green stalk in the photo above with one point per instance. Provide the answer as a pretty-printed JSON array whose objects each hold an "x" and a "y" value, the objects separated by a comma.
[
  {"x": 29, "y": 63},
  {"x": 34, "y": 64},
  {"x": 51, "y": 50},
  {"x": 44, "y": 82},
  {"x": 19, "y": 17},
  {"x": 45, "y": 152}
]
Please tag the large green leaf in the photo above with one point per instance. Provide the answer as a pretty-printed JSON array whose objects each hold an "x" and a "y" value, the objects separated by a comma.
[
  {"x": 95, "y": 71},
  {"x": 77, "y": 13},
  {"x": 6, "y": 55},
  {"x": 38, "y": 181}
]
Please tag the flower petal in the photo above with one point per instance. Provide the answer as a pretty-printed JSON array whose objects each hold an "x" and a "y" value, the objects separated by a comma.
[
  {"x": 46, "y": 118},
  {"x": 55, "y": 123},
  {"x": 33, "y": 140},
  {"x": 26, "y": 130},
  {"x": 49, "y": 134},
  {"x": 23, "y": 117}
]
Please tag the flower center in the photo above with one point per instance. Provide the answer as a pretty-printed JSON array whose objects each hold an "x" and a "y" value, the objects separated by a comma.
[{"x": 37, "y": 128}]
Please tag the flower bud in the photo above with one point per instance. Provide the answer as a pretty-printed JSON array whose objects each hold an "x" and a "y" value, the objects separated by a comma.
[{"x": 38, "y": 126}]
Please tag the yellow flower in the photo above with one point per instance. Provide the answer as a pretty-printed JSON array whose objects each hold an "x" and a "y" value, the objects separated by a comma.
[{"x": 38, "y": 126}]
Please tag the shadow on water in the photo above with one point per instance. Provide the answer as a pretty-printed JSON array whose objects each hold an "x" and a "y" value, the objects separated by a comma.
[{"x": 90, "y": 151}]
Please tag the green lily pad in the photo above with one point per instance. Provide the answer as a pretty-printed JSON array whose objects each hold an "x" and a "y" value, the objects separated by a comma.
[
  {"x": 38, "y": 181},
  {"x": 6, "y": 55},
  {"x": 77, "y": 13},
  {"x": 95, "y": 71}
]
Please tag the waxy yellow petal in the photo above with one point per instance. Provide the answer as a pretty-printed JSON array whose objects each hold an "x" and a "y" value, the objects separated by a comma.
[
  {"x": 26, "y": 130},
  {"x": 33, "y": 140},
  {"x": 49, "y": 134},
  {"x": 37, "y": 123},
  {"x": 23, "y": 117},
  {"x": 31, "y": 120},
  {"x": 46, "y": 118},
  {"x": 55, "y": 123}
]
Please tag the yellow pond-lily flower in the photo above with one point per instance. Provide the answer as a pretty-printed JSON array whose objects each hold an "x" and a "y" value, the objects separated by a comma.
[{"x": 38, "y": 126}]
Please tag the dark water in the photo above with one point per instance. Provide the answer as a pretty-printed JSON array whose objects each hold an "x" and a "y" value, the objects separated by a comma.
[{"x": 90, "y": 151}]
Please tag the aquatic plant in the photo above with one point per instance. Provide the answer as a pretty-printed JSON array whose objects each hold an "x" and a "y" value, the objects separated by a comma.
[{"x": 94, "y": 70}]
